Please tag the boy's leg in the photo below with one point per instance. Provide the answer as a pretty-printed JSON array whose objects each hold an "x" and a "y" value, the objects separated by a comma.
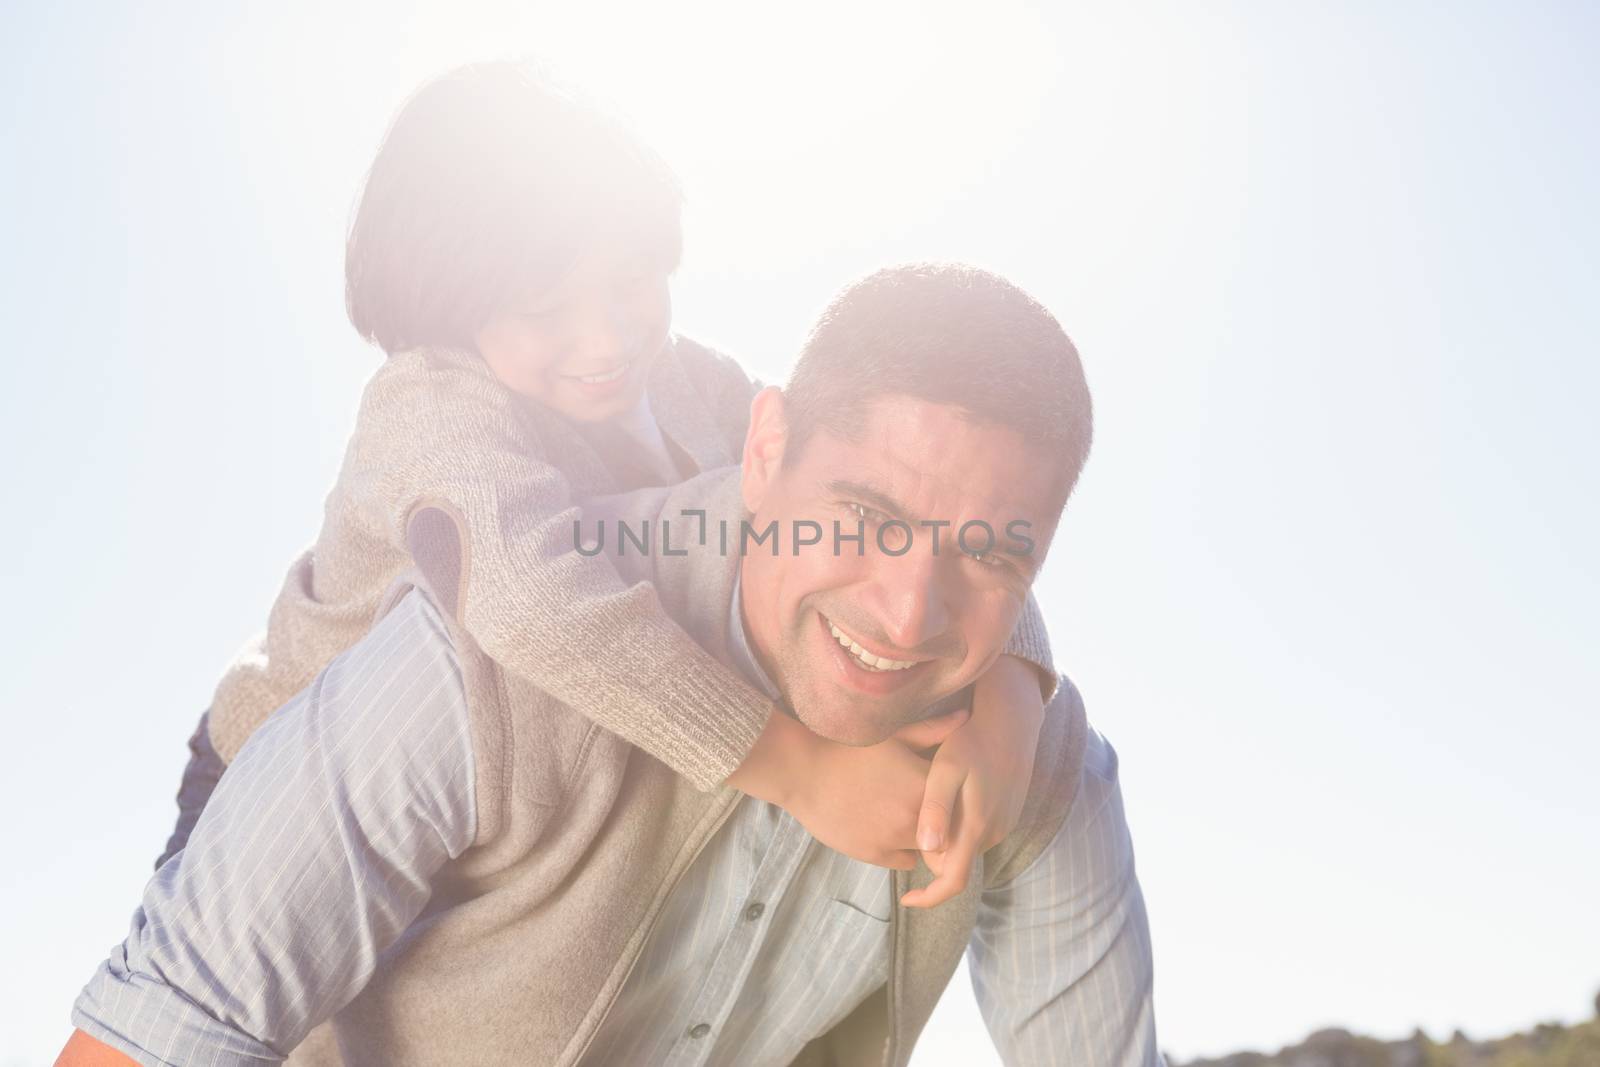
[{"x": 199, "y": 779}]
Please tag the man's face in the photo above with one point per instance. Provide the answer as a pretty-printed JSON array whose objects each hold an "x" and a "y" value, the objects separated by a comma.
[{"x": 861, "y": 644}]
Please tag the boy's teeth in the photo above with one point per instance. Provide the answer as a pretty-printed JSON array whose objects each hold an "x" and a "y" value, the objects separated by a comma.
[
  {"x": 876, "y": 663},
  {"x": 609, "y": 376}
]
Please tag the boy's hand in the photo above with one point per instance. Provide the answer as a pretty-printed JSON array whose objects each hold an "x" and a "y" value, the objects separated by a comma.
[
  {"x": 979, "y": 779},
  {"x": 861, "y": 801},
  {"x": 865, "y": 801}
]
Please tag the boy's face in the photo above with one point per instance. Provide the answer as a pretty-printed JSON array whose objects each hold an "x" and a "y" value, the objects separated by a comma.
[{"x": 584, "y": 347}]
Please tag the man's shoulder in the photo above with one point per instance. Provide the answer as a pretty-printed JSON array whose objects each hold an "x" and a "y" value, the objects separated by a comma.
[
  {"x": 414, "y": 617},
  {"x": 388, "y": 713},
  {"x": 1061, "y": 758},
  {"x": 409, "y": 634}
]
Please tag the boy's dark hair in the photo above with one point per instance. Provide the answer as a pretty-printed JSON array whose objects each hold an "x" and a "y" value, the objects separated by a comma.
[
  {"x": 949, "y": 334},
  {"x": 491, "y": 181}
]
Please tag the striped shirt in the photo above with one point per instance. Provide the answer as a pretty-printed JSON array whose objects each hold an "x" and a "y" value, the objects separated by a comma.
[{"x": 319, "y": 847}]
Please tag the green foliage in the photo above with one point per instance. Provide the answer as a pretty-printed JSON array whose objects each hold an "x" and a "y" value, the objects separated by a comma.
[{"x": 1546, "y": 1045}]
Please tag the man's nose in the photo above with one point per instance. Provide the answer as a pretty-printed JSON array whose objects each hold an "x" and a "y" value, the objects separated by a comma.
[{"x": 911, "y": 602}]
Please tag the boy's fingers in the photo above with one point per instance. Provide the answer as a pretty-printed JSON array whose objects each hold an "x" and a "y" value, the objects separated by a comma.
[
  {"x": 939, "y": 804},
  {"x": 951, "y": 867},
  {"x": 904, "y": 859},
  {"x": 1006, "y": 822},
  {"x": 930, "y": 732},
  {"x": 955, "y": 867}
]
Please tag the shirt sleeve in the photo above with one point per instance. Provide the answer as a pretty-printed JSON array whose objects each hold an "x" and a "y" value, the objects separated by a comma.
[
  {"x": 436, "y": 427},
  {"x": 315, "y": 853},
  {"x": 1060, "y": 957}
]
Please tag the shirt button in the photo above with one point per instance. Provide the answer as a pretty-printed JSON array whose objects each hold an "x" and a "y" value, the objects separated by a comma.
[
  {"x": 754, "y": 911},
  {"x": 699, "y": 1029}
]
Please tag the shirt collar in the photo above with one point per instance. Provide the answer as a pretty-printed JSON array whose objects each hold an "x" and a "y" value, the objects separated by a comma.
[{"x": 739, "y": 645}]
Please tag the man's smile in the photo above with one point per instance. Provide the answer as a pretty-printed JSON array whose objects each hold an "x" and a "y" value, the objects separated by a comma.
[
  {"x": 861, "y": 669},
  {"x": 872, "y": 662}
]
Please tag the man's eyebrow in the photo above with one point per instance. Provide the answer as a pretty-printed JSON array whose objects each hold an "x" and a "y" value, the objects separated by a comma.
[{"x": 866, "y": 494}]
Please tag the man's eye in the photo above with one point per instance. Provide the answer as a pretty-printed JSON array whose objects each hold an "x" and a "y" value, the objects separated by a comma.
[
  {"x": 864, "y": 513},
  {"x": 986, "y": 559}
]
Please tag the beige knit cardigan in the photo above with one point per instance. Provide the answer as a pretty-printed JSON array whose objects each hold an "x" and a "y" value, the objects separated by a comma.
[{"x": 530, "y": 935}]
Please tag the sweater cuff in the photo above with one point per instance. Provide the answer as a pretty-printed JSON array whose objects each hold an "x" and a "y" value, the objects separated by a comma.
[
  {"x": 1031, "y": 641},
  {"x": 731, "y": 718}
]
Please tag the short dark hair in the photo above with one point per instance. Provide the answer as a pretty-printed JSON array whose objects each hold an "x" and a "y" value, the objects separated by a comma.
[
  {"x": 489, "y": 183},
  {"x": 949, "y": 334}
]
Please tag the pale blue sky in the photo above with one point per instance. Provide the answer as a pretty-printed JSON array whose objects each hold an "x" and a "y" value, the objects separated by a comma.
[{"x": 1328, "y": 583}]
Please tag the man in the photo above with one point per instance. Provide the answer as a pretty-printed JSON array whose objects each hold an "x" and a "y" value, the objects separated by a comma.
[{"x": 450, "y": 882}]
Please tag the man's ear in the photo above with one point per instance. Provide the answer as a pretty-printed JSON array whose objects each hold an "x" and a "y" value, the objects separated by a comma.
[{"x": 763, "y": 447}]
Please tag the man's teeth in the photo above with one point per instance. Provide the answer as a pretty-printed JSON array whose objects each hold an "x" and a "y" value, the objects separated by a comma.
[
  {"x": 876, "y": 663},
  {"x": 608, "y": 376}
]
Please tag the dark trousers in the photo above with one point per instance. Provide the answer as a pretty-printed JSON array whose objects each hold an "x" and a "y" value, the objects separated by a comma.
[{"x": 199, "y": 779}]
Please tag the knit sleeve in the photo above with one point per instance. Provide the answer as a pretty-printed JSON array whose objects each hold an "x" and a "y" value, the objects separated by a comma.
[
  {"x": 438, "y": 429},
  {"x": 1030, "y": 641}
]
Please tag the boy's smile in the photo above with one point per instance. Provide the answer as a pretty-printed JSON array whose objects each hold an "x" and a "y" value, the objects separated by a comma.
[{"x": 585, "y": 346}]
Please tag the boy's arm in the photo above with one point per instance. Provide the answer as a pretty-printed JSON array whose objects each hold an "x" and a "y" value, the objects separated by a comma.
[
  {"x": 987, "y": 766},
  {"x": 438, "y": 430}
]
